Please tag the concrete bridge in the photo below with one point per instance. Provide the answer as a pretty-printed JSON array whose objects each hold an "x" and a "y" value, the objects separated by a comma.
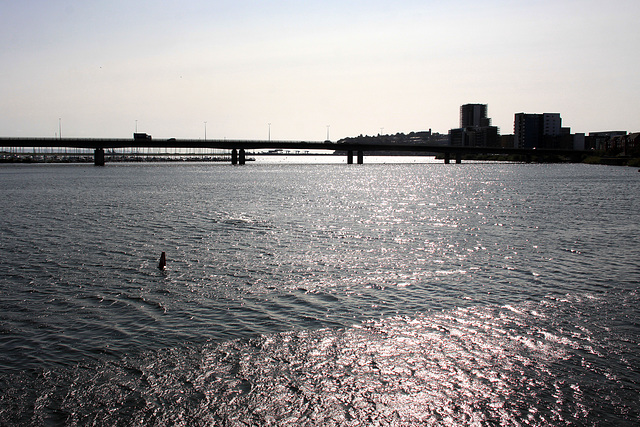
[{"x": 238, "y": 147}]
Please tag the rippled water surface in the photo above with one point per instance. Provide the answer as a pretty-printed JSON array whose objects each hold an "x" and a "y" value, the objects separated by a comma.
[{"x": 377, "y": 294}]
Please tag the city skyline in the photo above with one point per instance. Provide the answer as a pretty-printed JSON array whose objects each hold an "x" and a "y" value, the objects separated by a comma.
[{"x": 293, "y": 71}]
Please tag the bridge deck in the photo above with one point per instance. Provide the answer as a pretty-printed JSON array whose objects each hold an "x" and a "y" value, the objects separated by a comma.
[{"x": 111, "y": 143}]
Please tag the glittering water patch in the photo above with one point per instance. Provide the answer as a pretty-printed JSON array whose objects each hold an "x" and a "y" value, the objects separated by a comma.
[{"x": 529, "y": 364}]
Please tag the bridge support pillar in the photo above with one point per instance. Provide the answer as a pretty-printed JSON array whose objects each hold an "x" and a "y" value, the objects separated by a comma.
[
  {"x": 458, "y": 158},
  {"x": 350, "y": 157},
  {"x": 98, "y": 157},
  {"x": 447, "y": 158},
  {"x": 241, "y": 157},
  {"x": 234, "y": 157},
  {"x": 360, "y": 157}
]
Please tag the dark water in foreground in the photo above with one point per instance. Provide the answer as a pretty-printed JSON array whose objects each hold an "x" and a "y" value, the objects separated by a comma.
[{"x": 428, "y": 294}]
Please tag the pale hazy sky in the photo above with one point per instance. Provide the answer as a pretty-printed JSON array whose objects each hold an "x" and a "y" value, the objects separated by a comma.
[{"x": 358, "y": 66}]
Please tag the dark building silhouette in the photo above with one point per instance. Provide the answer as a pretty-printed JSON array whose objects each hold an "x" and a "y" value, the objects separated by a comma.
[
  {"x": 602, "y": 140},
  {"x": 540, "y": 131},
  {"x": 474, "y": 115},
  {"x": 617, "y": 142},
  {"x": 475, "y": 128}
]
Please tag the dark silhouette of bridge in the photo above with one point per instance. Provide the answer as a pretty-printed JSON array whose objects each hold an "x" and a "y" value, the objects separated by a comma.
[{"x": 239, "y": 147}]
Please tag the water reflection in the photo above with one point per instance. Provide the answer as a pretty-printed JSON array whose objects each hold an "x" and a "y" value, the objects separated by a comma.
[
  {"x": 529, "y": 364},
  {"x": 319, "y": 295}
]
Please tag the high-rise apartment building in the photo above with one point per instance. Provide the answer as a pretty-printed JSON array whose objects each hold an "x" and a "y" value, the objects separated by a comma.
[
  {"x": 536, "y": 130},
  {"x": 474, "y": 115},
  {"x": 551, "y": 124},
  {"x": 475, "y": 128}
]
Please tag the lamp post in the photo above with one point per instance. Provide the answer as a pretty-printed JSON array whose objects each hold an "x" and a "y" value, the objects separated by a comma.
[
  {"x": 269, "y": 132},
  {"x": 328, "y": 133},
  {"x": 205, "y": 131}
]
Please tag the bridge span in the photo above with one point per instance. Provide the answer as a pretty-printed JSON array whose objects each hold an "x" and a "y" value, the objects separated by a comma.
[{"x": 238, "y": 147}]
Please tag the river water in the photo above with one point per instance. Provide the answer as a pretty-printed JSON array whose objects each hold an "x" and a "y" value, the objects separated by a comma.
[{"x": 319, "y": 294}]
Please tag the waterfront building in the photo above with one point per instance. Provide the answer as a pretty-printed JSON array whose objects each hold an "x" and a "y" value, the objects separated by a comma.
[
  {"x": 579, "y": 141},
  {"x": 623, "y": 145},
  {"x": 485, "y": 136},
  {"x": 552, "y": 124},
  {"x": 475, "y": 128},
  {"x": 544, "y": 130},
  {"x": 601, "y": 140},
  {"x": 474, "y": 115}
]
